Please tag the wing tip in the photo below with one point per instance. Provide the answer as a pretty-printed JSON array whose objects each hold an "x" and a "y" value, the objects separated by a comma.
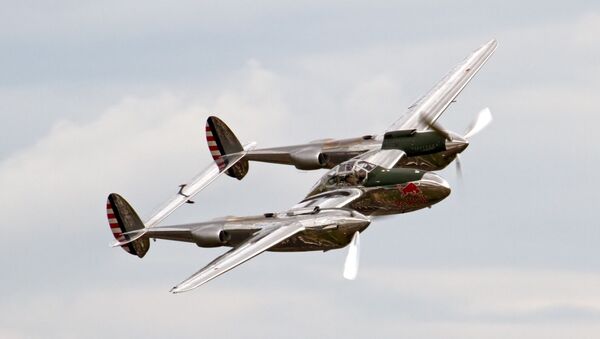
[
  {"x": 492, "y": 44},
  {"x": 177, "y": 289}
]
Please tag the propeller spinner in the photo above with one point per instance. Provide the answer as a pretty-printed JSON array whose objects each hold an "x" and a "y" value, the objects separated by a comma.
[{"x": 457, "y": 142}]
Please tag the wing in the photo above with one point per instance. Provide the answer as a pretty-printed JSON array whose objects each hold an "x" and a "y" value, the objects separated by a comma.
[
  {"x": 435, "y": 102},
  {"x": 331, "y": 199},
  {"x": 199, "y": 182},
  {"x": 253, "y": 246},
  {"x": 385, "y": 158}
]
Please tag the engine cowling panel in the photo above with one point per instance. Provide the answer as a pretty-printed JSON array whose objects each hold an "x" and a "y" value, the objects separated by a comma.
[
  {"x": 308, "y": 159},
  {"x": 414, "y": 143},
  {"x": 211, "y": 236}
]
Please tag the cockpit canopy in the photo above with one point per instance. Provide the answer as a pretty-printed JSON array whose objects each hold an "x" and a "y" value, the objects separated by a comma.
[{"x": 349, "y": 173}]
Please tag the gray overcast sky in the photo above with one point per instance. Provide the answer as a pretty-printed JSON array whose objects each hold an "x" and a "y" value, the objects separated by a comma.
[{"x": 113, "y": 96}]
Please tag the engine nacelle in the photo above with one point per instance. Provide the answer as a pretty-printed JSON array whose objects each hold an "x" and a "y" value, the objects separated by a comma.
[
  {"x": 309, "y": 159},
  {"x": 414, "y": 143},
  {"x": 211, "y": 236}
]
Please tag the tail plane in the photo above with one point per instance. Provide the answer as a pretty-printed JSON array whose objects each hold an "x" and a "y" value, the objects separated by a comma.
[
  {"x": 123, "y": 222},
  {"x": 221, "y": 141}
]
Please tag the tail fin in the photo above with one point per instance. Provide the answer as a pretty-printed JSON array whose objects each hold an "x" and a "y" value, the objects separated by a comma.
[
  {"x": 123, "y": 221},
  {"x": 222, "y": 141}
]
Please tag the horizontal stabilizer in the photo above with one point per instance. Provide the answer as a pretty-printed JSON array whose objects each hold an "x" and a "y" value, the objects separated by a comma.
[
  {"x": 188, "y": 190},
  {"x": 133, "y": 236}
]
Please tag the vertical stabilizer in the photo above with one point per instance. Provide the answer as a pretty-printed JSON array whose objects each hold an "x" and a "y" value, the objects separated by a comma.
[
  {"x": 221, "y": 141},
  {"x": 123, "y": 219}
]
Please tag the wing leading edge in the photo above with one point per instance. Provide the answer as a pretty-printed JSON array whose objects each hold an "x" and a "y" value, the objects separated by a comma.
[
  {"x": 253, "y": 246},
  {"x": 435, "y": 102}
]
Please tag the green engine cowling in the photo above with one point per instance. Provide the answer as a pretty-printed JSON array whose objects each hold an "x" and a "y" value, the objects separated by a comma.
[{"x": 414, "y": 143}]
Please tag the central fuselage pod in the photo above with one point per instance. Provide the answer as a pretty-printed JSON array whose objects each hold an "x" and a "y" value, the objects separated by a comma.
[
  {"x": 400, "y": 190},
  {"x": 383, "y": 191}
]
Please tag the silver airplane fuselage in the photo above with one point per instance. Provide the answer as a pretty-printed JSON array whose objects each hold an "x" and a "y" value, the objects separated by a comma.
[
  {"x": 368, "y": 176},
  {"x": 336, "y": 208},
  {"x": 425, "y": 151}
]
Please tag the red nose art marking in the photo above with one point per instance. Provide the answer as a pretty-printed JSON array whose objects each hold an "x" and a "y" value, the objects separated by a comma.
[{"x": 410, "y": 188}]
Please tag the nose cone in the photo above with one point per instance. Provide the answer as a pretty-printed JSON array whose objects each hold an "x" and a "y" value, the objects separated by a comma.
[
  {"x": 349, "y": 219},
  {"x": 435, "y": 187},
  {"x": 356, "y": 220},
  {"x": 457, "y": 145}
]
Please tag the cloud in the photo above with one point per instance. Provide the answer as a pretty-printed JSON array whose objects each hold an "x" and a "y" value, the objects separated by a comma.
[
  {"x": 135, "y": 136},
  {"x": 54, "y": 191},
  {"x": 495, "y": 294},
  {"x": 488, "y": 303},
  {"x": 510, "y": 254}
]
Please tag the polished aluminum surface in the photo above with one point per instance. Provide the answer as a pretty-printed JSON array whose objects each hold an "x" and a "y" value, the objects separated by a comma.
[
  {"x": 386, "y": 158},
  {"x": 324, "y": 221},
  {"x": 364, "y": 181},
  {"x": 256, "y": 244},
  {"x": 437, "y": 100},
  {"x": 197, "y": 184},
  {"x": 420, "y": 116},
  {"x": 271, "y": 234}
]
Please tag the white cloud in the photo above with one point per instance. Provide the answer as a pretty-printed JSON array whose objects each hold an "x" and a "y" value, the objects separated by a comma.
[
  {"x": 424, "y": 303},
  {"x": 138, "y": 143},
  {"x": 145, "y": 145},
  {"x": 494, "y": 294}
]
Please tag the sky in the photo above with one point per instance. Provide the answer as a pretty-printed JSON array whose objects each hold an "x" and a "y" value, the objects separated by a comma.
[{"x": 113, "y": 96}]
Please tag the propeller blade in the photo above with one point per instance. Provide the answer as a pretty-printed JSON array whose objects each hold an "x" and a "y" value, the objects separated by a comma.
[
  {"x": 351, "y": 264},
  {"x": 437, "y": 128},
  {"x": 484, "y": 118},
  {"x": 458, "y": 167}
]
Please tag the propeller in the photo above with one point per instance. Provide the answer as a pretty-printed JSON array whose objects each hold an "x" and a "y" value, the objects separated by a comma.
[
  {"x": 484, "y": 118},
  {"x": 458, "y": 167},
  {"x": 351, "y": 263},
  {"x": 481, "y": 121},
  {"x": 436, "y": 127}
]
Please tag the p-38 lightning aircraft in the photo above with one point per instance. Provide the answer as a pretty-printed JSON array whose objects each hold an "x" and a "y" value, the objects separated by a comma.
[{"x": 368, "y": 177}]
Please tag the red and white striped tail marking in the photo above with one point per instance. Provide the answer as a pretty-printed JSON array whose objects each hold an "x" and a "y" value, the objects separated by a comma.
[
  {"x": 213, "y": 147},
  {"x": 114, "y": 226}
]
